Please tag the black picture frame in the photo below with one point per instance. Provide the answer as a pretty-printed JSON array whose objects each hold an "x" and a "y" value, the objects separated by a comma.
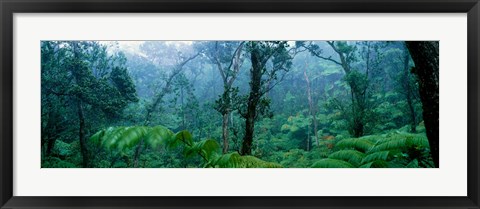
[{"x": 9, "y": 7}]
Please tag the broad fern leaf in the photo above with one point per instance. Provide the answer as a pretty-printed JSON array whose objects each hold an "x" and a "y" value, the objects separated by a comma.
[
  {"x": 235, "y": 160},
  {"x": 184, "y": 137},
  {"x": 383, "y": 155},
  {"x": 413, "y": 164},
  {"x": 375, "y": 164},
  {"x": 358, "y": 144},
  {"x": 159, "y": 135},
  {"x": 206, "y": 148},
  {"x": 352, "y": 156},
  {"x": 130, "y": 137},
  {"x": 230, "y": 160},
  {"x": 332, "y": 163}
]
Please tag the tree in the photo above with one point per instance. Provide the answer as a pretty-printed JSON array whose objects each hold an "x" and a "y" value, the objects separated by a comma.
[
  {"x": 357, "y": 80},
  {"x": 408, "y": 84},
  {"x": 425, "y": 55},
  {"x": 228, "y": 58},
  {"x": 107, "y": 92},
  {"x": 311, "y": 107},
  {"x": 178, "y": 68},
  {"x": 268, "y": 59}
]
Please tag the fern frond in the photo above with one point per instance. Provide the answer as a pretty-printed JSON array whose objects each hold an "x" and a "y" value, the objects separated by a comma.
[
  {"x": 390, "y": 144},
  {"x": 253, "y": 162},
  {"x": 352, "y": 156},
  {"x": 400, "y": 142},
  {"x": 235, "y": 160},
  {"x": 230, "y": 160},
  {"x": 206, "y": 148},
  {"x": 413, "y": 164},
  {"x": 355, "y": 143},
  {"x": 96, "y": 138},
  {"x": 332, "y": 163},
  {"x": 184, "y": 137},
  {"x": 418, "y": 141},
  {"x": 382, "y": 155},
  {"x": 159, "y": 135},
  {"x": 130, "y": 137},
  {"x": 375, "y": 164}
]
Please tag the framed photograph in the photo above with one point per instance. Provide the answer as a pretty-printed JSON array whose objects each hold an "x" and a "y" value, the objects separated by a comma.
[{"x": 239, "y": 104}]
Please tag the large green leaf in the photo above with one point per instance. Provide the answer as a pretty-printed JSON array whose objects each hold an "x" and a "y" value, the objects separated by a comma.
[
  {"x": 400, "y": 141},
  {"x": 332, "y": 163},
  {"x": 234, "y": 160},
  {"x": 184, "y": 137},
  {"x": 382, "y": 155},
  {"x": 375, "y": 164},
  {"x": 130, "y": 137},
  {"x": 121, "y": 138},
  {"x": 356, "y": 143},
  {"x": 206, "y": 148},
  {"x": 158, "y": 135},
  {"x": 352, "y": 156}
]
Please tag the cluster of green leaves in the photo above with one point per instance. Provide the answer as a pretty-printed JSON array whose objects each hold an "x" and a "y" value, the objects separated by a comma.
[
  {"x": 121, "y": 139},
  {"x": 391, "y": 150},
  {"x": 297, "y": 128}
]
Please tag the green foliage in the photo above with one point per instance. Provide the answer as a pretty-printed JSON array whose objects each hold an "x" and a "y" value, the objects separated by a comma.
[
  {"x": 122, "y": 138},
  {"x": 235, "y": 160},
  {"x": 296, "y": 128},
  {"x": 332, "y": 163},
  {"x": 395, "y": 149},
  {"x": 382, "y": 155},
  {"x": 352, "y": 156},
  {"x": 360, "y": 144},
  {"x": 205, "y": 148},
  {"x": 124, "y": 83},
  {"x": 364, "y": 96},
  {"x": 53, "y": 162}
]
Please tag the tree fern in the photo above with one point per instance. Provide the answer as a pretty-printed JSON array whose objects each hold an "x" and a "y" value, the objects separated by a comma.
[
  {"x": 356, "y": 143},
  {"x": 235, "y": 160},
  {"x": 205, "y": 148},
  {"x": 352, "y": 156},
  {"x": 332, "y": 163},
  {"x": 413, "y": 164},
  {"x": 396, "y": 149},
  {"x": 400, "y": 142},
  {"x": 375, "y": 164},
  {"x": 383, "y": 155},
  {"x": 159, "y": 135},
  {"x": 120, "y": 138}
]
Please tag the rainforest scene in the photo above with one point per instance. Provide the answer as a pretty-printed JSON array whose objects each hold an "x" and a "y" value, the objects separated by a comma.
[{"x": 239, "y": 104}]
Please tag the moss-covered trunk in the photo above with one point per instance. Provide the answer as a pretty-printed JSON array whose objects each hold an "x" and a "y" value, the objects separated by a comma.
[{"x": 253, "y": 99}]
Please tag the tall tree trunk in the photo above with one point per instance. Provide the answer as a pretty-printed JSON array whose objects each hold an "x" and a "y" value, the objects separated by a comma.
[
  {"x": 357, "y": 111},
  {"x": 81, "y": 134},
  {"x": 253, "y": 98},
  {"x": 225, "y": 131},
  {"x": 311, "y": 105},
  {"x": 425, "y": 54},
  {"x": 51, "y": 131},
  {"x": 81, "y": 117},
  {"x": 308, "y": 139},
  {"x": 408, "y": 92},
  {"x": 249, "y": 130}
]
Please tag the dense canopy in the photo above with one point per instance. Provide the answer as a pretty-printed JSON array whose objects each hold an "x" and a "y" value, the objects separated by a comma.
[{"x": 239, "y": 104}]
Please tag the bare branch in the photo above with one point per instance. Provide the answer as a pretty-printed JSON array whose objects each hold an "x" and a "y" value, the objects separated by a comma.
[{"x": 316, "y": 54}]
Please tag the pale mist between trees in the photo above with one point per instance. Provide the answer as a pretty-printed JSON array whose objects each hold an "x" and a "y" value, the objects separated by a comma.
[{"x": 239, "y": 104}]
